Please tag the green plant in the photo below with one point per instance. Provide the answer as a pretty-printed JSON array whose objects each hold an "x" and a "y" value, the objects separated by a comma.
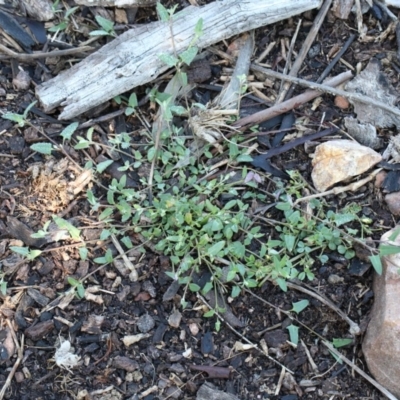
[
  {"x": 20, "y": 119},
  {"x": 77, "y": 286},
  {"x": 65, "y": 19},
  {"x": 107, "y": 27}
]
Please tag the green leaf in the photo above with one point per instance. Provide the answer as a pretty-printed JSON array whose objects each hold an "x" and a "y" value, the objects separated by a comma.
[
  {"x": 218, "y": 325},
  {"x": 162, "y": 12},
  {"x": 283, "y": 206},
  {"x": 23, "y": 251},
  {"x": 83, "y": 253},
  {"x": 81, "y": 291},
  {"x": 127, "y": 242},
  {"x": 198, "y": 30},
  {"x": 209, "y": 314},
  {"x": 151, "y": 152},
  {"x": 194, "y": 288},
  {"x": 99, "y": 33},
  {"x": 178, "y": 110},
  {"x": 188, "y": 55},
  {"x": 168, "y": 59},
  {"x": 105, "y": 214},
  {"x": 293, "y": 333},
  {"x": 106, "y": 24},
  {"x": 394, "y": 234},
  {"x": 207, "y": 287},
  {"x": 67, "y": 132},
  {"x": 341, "y": 342},
  {"x": 133, "y": 102},
  {"x": 289, "y": 242},
  {"x": 216, "y": 248},
  {"x": 33, "y": 254},
  {"x": 388, "y": 249},
  {"x": 42, "y": 148},
  {"x": 60, "y": 27},
  {"x": 102, "y": 166},
  {"x": 73, "y": 282},
  {"x": 300, "y": 306},
  {"x": 63, "y": 224},
  {"x": 282, "y": 284},
  {"x": 18, "y": 118},
  {"x": 235, "y": 291},
  {"x": 244, "y": 158},
  {"x": 376, "y": 263}
]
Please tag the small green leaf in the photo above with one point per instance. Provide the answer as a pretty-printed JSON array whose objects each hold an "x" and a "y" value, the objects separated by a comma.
[
  {"x": 67, "y": 132},
  {"x": 83, "y": 253},
  {"x": 235, "y": 291},
  {"x": 218, "y": 325},
  {"x": 168, "y": 59},
  {"x": 33, "y": 254},
  {"x": 376, "y": 263},
  {"x": 244, "y": 158},
  {"x": 162, "y": 12},
  {"x": 102, "y": 166},
  {"x": 216, "y": 248},
  {"x": 388, "y": 249},
  {"x": 151, "y": 152},
  {"x": 282, "y": 284},
  {"x": 81, "y": 291},
  {"x": 73, "y": 282},
  {"x": 188, "y": 55},
  {"x": 19, "y": 119},
  {"x": 105, "y": 214},
  {"x": 294, "y": 334},
  {"x": 133, "y": 102},
  {"x": 63, "y": 224},
  {"x": 193, "y": 287},
  {"x": 300, "y": 306},
  {"x": 207, "y": 287},
  {"x": 23, "y": 251},
  {"x": 341, "y": 342},
  {"x": 42, "y": 148},
  {"x": 198, "y": 30},
  {"x": 209, "y": 314},
  {"x": 394, "y": 234},
  {"x": 106, "y": 24}
]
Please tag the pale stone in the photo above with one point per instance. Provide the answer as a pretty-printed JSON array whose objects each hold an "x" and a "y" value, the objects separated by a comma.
[
  {"x": 381, "y": 344},
  {"x": 338, "y": 160},
  {"x": 393, "y": 202}
]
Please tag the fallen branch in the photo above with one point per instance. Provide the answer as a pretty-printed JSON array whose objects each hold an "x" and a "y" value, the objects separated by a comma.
[
  {"x": 133, "y": 59},
  {"x": 294, "y": 102}
]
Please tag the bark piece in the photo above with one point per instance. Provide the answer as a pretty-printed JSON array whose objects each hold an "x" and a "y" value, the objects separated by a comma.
[
  {"x": 133, "y": 59},
  {"x": 125, "y": 363},
  {"x": 40, "y": 330},
  {"x": 381, "y": 345},
  {"x": 208, "y": 392},
  {"x": 39, "y": 10},
  {"x": 338, "y": 160}
]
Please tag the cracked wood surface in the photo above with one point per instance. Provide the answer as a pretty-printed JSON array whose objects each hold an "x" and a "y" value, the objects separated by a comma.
[{"x": 132, "y": 59}]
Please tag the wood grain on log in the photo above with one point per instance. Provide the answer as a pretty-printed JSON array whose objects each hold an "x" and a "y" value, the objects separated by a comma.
[
  {"x": 116, "y": 3},
  {"x": 132, "y": 59}
]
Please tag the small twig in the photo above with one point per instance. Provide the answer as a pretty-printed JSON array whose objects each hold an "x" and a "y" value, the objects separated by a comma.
[
  {"x": 319, "y": 19},
  {"x": 204, "y": 301},
  {"x": 294, "y": 102},
  {"x": 336, "y": 59},
  {"x": 35, "y": 56},
  {"x": 360, "y": 371},
  {"x": 20, "y": 349},
  {"x": 352, "y": 187},
  {"x": 326, "y": 87}
]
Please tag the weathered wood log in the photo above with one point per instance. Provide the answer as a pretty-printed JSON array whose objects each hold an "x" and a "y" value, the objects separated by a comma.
[
  {"x": 133, "y": 59},
  {"x": 116, "y": 3}
]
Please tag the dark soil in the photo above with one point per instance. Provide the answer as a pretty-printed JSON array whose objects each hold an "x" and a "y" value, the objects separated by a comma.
[{"x": 170, "y": 360}]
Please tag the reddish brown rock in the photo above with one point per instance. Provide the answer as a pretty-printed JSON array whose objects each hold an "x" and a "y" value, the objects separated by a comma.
[
  {"x": 338, "y": 160},
  {"x": 381, "y": 344}
]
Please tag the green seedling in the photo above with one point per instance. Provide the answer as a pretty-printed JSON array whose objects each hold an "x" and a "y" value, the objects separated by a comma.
[
  {"x": 78, "y": 286},
  {"x": 20, "y": 119},
  {"x": 107, "y": 27}
]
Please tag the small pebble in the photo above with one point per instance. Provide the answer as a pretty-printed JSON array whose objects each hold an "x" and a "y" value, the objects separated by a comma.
[
  {"x": 174, "y": 319},
  {"x": 334, "y": 279},
  {"x": 145, "y": 323},
  {"x": 341, "y": 102}
]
